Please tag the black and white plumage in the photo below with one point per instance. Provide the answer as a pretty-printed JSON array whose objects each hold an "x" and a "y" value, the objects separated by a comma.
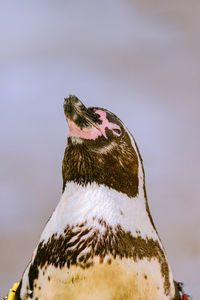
[{"x": 100, "y": 242}]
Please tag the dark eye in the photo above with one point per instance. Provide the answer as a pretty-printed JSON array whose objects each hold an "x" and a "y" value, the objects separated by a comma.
[{"x": 118, "y": 132}]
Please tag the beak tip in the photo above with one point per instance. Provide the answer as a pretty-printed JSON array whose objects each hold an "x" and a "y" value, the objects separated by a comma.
[{"x": 72, "y": 99}]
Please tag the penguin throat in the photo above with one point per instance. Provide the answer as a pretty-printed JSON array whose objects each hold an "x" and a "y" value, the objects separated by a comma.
[{"x": 113, "y": 169}]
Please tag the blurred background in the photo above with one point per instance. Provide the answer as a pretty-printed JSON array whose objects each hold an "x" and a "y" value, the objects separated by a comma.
[{"x": 139, "y": 59}]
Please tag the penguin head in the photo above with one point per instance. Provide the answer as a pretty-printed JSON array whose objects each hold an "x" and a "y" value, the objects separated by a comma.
[
  {"x": 100, "y": 149},
  {"x": 92, "y": 126}
]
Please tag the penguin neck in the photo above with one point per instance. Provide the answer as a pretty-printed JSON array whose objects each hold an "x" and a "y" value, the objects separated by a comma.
[{"x": 113, "y": 164}]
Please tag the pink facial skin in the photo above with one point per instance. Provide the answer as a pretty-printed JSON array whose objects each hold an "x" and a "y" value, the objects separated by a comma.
[{"x": 94, "y": 132}]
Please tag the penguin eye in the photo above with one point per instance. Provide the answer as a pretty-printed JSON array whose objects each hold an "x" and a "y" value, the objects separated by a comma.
[{"x": 117, "y": 131}]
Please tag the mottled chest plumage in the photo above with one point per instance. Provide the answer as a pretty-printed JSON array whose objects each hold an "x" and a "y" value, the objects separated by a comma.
[{"x": 93, "y": 262}]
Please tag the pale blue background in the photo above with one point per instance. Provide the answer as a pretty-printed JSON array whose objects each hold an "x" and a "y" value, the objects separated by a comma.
[{"x": 140, "y": 59}]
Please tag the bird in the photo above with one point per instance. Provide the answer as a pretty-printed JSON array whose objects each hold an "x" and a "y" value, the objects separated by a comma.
[{"x": 100, "y": 242}]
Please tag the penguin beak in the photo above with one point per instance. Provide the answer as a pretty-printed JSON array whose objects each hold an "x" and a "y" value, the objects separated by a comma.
[{"x": 78, "y": 115}]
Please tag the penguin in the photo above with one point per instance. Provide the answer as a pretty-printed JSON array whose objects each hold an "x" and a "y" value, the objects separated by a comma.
[{"x": 100, "y": 242}]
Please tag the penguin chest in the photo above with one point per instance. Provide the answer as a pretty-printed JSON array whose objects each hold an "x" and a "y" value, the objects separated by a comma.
[
  {"x": 113, "y": 279},
  {"x": 99, "y": 245}
]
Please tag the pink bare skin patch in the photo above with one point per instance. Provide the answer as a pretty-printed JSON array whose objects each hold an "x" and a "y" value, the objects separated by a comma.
[{"x": 93, "y": 133}]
